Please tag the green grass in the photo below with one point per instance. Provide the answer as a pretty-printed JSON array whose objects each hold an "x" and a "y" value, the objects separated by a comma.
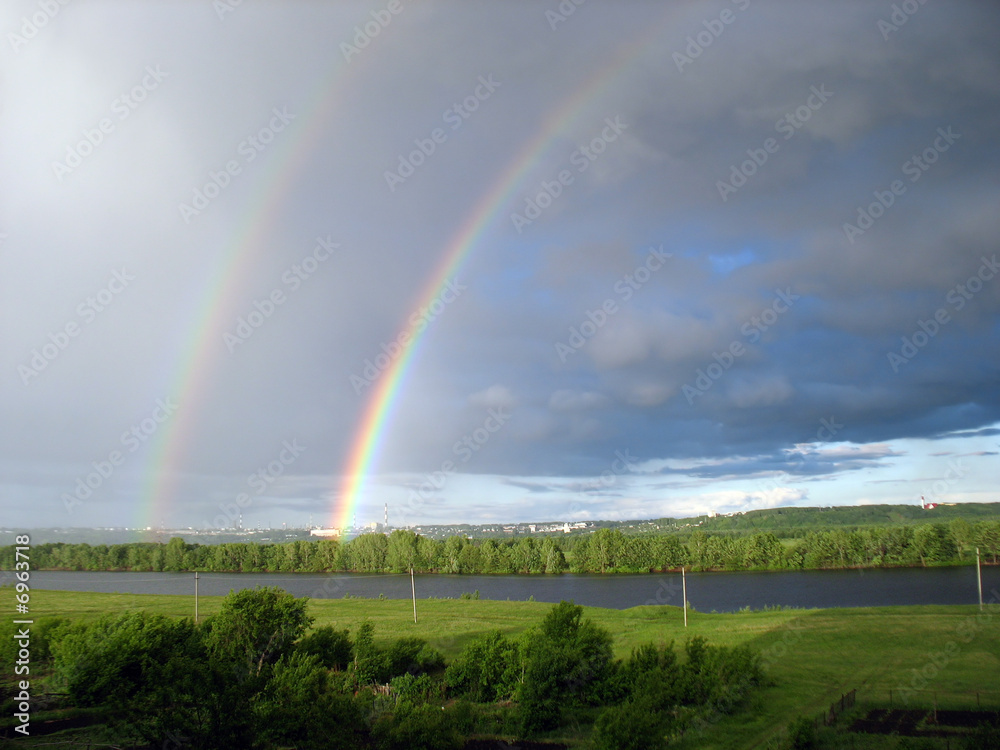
[{"x": 812, "y": 656}]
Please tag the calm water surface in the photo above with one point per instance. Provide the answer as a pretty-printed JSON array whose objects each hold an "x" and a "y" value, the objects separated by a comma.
[{"x": 723, "y": 592}]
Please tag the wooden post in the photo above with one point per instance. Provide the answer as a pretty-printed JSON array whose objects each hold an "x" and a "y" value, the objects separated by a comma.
[
  {"x": 979, "y": 580},
  {"x": 684, "y": 593},
  {"x": 196, "y": 597},
  {"x": 413, "y": 590}
]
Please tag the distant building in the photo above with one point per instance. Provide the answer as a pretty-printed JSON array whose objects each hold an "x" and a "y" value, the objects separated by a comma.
[{"x": 324, "y": 532}]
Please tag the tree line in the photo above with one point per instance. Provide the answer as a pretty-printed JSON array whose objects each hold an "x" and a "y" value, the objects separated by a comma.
[{"x": 604, "y": 551}]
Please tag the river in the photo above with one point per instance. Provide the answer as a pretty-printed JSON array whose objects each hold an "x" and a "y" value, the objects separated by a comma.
[{"x": 721, "y": 592}]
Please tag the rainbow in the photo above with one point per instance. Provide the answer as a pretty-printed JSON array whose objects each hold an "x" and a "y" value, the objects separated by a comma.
[
  {"x": 288, "y": 153},
  {"x": 369, "y": 434},
  {"x": 219, "y": 294}
]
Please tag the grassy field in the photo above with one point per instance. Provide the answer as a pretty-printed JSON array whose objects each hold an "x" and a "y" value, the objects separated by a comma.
[{"x": 812, "y": 656}]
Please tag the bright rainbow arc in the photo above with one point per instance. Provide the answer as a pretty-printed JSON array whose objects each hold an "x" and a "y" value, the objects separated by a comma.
[
  {"x": 219, "y": 295},
  {"x": 369, "y": 436}
]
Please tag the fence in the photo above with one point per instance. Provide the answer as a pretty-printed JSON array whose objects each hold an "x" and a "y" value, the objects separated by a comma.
[{"x": 837, "y": 708}]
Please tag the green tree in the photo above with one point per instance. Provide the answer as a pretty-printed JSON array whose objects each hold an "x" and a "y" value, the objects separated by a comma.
[
  {"x": 933, "y": 543},
  {"x": 762, "y": 551},
  {"x": 986, "y": 536},
  {"x": 566, "y": 660},
  {"x": 416, "y": 727},
  {"x": 488, "y": 669},
  {"x": 402, "y": 551},
  {"x": 429, "y": 553},
  {"x": 173, "y": 554},
  {"x": 630, "y": 726},
  {"x": 802, "y": 733},
  {"x": 526, "y": 556},
  {"x": 552, "y": 556},
  {"x": 368, "y": 553},
  {"x": 156, "y": 675},
  {"x": 298, "y": 707},
  {"x": 470, "y": 559},
  {"x": 370, "y": 662},
  {"x": 256, "y": 627},
  {"x": 330, "y": 646},
  {"x": 451, "y": 554},
  {"x": 961, "y": 532}
]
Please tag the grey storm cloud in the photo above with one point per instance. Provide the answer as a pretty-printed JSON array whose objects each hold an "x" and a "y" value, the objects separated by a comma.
[{"x": 793, "y": 281}]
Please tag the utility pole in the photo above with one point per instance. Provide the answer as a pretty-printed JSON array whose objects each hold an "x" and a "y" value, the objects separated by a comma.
[
  {"x": 196, "y": 597},
  {"x": 413, "y": 590},
  {"x": 979, "y": 580},
  {"x": 684, "y": 594}
]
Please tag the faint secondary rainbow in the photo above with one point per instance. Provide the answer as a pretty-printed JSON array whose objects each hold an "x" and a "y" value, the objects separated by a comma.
[
  {"x": 369, "y": 435},
  {"x": 220, "y": 294}
]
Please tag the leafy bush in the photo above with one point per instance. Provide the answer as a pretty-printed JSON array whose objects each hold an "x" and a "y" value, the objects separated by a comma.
[
  {"x": 414, "y": 688},
  {"x": 985, "y": 737},
  {"x": 44, "y": 632},
  {"x": 333, "y": 647},
  {"x": 410, "y": 727},
  {"x": 256, "y": 627},
  {"x": 802, "y": 734},
  {"x": 114, "y": 658},
  {"x": 630, "y": 726},
  {"x": 487, "y": 670},
  {"x": 299, "y": 708},
  {"x": 567, "y": 660},
  {"x": 413, "y": 656}
]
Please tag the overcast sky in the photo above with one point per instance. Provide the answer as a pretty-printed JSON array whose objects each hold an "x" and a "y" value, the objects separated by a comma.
[{"x": 750, "y": 259}]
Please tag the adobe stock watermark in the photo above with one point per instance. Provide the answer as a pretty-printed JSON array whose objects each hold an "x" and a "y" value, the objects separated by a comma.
[
  {"x": 622, "y": 463},
  {"x": 714, "y": 27},
  {"x": 130, "y": 440},
  {"x": 753, "y": 329},
  {"x": 366, "y": 32},
  {"x": 330, "y": 587},
  {"x": 225, "y": 7},
  {"x": 914, "y": 168},
  {"x": 581, "y": 158},
  {"x": 462, "y": 451},
  {"x": 293, "y": 278},
  {"x": 31, "y": 25},
  {"x": 625, "y": 288},
  {"x": 249, "y": 148},
  {"x": 122, "y": 107},
  {"x": 900, "y": 14},
  {"x": 87, "y": 311},
  {"x": 455, "y": 116},
  {"x": 562, "y": 12},
  {"x": 829, "y": 428},
  {"x": 787, "y": 126},
  {"x": 418, "y": 321},
  {"x": 957, "y": 471},
  {"x": 259, "y": 481},
  {"x": 957, "y": 298}
]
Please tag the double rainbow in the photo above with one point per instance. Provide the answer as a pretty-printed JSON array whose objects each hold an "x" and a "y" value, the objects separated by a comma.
[{"x": 218, "y": 297}]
